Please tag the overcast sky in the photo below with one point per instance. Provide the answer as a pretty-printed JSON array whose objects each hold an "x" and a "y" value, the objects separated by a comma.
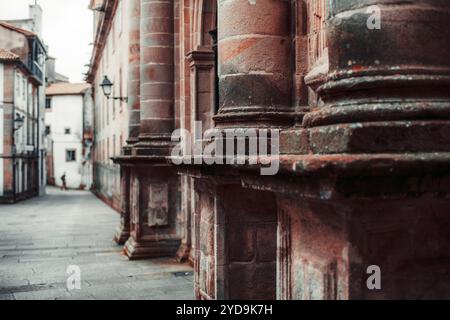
[{"x": 67, "y": 30}]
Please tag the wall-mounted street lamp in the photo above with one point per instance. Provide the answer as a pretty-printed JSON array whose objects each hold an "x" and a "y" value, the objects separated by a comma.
[
  {"x": 100, "y": 8},
  {"x": 107, "y": 90},
  {"x": 18, "y": 122}
]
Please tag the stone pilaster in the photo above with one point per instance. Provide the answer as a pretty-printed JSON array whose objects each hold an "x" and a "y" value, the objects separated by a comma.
[{"x": 184, "y": 252}]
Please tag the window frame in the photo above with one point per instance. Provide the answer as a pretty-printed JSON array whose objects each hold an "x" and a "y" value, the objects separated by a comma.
[{"x": 74, "y": 155}]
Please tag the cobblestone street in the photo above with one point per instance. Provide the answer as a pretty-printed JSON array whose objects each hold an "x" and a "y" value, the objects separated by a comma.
[{"x": 40, "y": 238}]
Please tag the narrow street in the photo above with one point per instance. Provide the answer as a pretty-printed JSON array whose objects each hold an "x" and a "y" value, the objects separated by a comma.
[{"x": 42, "y": 237}]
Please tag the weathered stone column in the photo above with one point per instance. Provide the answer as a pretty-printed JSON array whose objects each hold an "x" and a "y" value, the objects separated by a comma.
[
  {"x": 373, "y": 197},
  {"x": 235, "y": 227},
  {"x": 134, "y": 81},
  {"x": 134, "y": 71},
  {"x": 154, "y": 191},
  {"x": 254, "y": 63},
  {"x": 157, "y": 76}
]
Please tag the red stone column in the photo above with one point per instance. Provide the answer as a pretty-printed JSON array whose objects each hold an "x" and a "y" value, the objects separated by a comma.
[
  {"x": 254, "y": 63},
  {"x": 372, "y": 193},
  {"x": 154, "y": 186},
  {"x": 157, "y": 73},
  {"x": 134, "y": 71}
]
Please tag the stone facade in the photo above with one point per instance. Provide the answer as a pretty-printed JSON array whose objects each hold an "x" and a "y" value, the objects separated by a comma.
[{"x": 362, "y": 117}]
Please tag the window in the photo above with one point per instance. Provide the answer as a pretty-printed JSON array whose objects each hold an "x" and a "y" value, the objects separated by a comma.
[
  {"x": 107, "y": 151},
  {"x": 17, "y": 84},
  {"x": 67, "y": 131},
  {"x": 71, "y": 155},
  {"x": 114, "y": 104},
  {"x": 48, "y": 103},
  {"x": 48, "y": 130}
]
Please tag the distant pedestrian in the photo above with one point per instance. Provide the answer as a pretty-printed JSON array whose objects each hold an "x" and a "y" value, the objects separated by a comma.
[{"x": 63, "y": 179}]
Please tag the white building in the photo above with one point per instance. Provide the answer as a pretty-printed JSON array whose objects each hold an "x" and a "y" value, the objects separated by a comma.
[
  {"x": 68, "y": 121},
  {"x": 112, "y": 117}
]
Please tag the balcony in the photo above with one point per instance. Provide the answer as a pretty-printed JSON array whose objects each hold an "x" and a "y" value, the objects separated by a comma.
[{"x": 36, "y": 59}]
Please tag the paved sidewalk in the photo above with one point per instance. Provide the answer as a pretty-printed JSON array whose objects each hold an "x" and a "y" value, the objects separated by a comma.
[{"x": 40, "y": 238}]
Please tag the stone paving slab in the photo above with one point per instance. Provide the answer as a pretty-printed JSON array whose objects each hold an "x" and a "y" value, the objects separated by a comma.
[{"x": 41, "y": 237}]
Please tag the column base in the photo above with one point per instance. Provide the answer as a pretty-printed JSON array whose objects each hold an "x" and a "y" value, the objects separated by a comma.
[
  {"x": 121, "y": 236},
  {"x": 183, "y": 253},
  {"x": 136, "y": 250}
]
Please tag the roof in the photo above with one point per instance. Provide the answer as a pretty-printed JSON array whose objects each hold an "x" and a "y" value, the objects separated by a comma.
[
  {"x": 64, "y": 88},
  {"x": 17, "y": 29},
  {"x": 6, "y": 55}
]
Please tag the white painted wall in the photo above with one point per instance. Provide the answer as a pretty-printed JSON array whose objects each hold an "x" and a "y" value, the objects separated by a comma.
[
  {"x": 112, "y": 128},
  {"x": 1, "y": 128},
  {"x": 66, "y": 112}
]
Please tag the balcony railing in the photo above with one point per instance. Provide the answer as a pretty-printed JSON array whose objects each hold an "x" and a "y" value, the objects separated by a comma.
[
  {"x": 36, "y": 56},
  {"x": 36, "y": 70}
]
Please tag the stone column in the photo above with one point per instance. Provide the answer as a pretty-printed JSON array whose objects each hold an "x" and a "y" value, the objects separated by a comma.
[
  {"x": 157, "y": 76},
  {"x": 377, "y": 183},
  {"x": 134, "y": 71},
  {"x": 255, "y": 85},
  {"x": 154, "y": 193}
]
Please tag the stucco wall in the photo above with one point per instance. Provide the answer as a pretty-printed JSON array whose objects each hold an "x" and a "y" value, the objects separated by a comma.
[
  {"x": 14, "y": 42},
  {"x": 66, "y": 112}
]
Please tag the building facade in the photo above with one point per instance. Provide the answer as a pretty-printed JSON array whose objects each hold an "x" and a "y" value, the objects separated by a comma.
[
  {"x": 22, "y": 153},
  {"x": 111, "y": 116},
  {"x": 351, "y": 98},
  {"x": 68, "y": 127}
]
